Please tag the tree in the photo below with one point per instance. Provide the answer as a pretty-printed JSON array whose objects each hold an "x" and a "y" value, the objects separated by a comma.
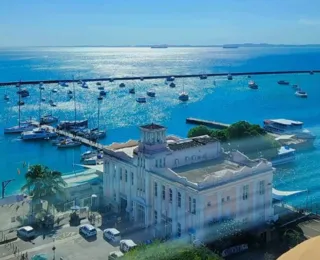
[
  {"x": 198, "y": 131},
  {"x": 43, "y": 183}
]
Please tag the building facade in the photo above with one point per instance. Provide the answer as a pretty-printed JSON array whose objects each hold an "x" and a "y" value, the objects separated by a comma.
[{"x": 181, "y": 186}]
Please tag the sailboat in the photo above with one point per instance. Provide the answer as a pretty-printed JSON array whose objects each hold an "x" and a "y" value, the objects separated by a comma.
[
  {"x": 97, "y": 133},
  {"x": 183, "y": 96},
  {"x": 53, "y": 104},
  {"x": 46, "y": 119},
  {"x": 6, "y": 96},
  {"x": 22, "y": 126}
]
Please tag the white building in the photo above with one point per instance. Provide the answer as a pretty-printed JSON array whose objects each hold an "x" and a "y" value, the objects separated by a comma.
[{"x": 182, "y": 185}]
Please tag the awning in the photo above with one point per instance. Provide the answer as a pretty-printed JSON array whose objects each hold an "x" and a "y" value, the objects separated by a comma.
[{"x": 98, "y": 167}]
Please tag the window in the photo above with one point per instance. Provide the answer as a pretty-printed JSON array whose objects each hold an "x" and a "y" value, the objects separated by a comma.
[
  {"x": 155, "y": 217},
  {"x": 144, "y": 185},
  {"x": 157, "y": 163},
  {"x": 187, "y": 158},
  {"x": 245, "y": 192},
  {"x": 189, "y": 204},
  {"x": 163, "y": 192},
  {"x": 170, "y": 195},
  {"x": 222, "y": 200},
  {"x": 209, "y": 204},
  {"x": 160, "y": 163},
  {"x": 176, "y": 162},
  {"x": 179, "y": 229},
  {"x": 155, "y": 189},
  {"x": 164, "y": 162},
  {"x": 114, "y": 196},
  {"x": 179, "y": 200},
  {"x": 261, "y": 187},
  {"x": 228, "y": 198},
  {"x": 120, "y": 174},
  {"x": 126, "y": 176},
  {"x": 194, "y": 206},
  {"x": 132, "y": 178}
]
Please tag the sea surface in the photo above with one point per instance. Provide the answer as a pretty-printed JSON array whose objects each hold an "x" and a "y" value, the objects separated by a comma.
[{"x": 226, "y": 101}]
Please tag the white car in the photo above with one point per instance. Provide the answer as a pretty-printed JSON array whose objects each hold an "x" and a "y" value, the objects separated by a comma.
[
  {"x": 26, "y": 232},
  {"x": 112, "y": 234},
  {"x": 88, "y": 231}
]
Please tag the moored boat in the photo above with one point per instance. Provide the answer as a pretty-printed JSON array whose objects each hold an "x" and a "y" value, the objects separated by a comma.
[
  {"x": 132, "y": 91},
  {"x": 84, "y": 85},
  {"x": 301, "y": 94},
  {"x": 54, "y": 90},
  {"x": 203, "y": 76},
  {"x": 48, "y": 119},
  {"x": 141, "y": 99},
  {"x": 63, "y": 84},
  {"x": 172, "y": 85},
  {"x": 229, "y": 76},
  {"x": 23, "y": 92},
  {"x": 103, "y": 93},
  {"x": 252, "y": 85},
  {"x": 23, "y": 126},
  {"x": 184, "y": 96},
  {"x": 170, "y": 78},
  {"x": 101, "y": 87},
  {"x": 67, "y": 125},
  {"x": 98, "y": 83},
  {"x": 122, "y": 85},
  {"x": 6, "y": 97},
  {"x": 283, "y": 82},
  {"x": 38, "y": 133},
  {"x": 151, "y": 93},
  {"x": 68, "y": 143},
  {"x": 285, "y": 155}
]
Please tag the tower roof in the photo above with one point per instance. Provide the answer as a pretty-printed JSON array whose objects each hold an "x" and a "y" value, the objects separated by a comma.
[{"x": 152, "y": 126}]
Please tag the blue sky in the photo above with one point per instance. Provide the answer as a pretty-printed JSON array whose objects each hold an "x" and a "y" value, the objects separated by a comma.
[{"x": 120, "y": 22}]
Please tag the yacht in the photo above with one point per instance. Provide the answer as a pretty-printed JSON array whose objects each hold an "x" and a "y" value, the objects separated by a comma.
[
  {"x": 84, "y": 85},
  {"x": 100, "y": 98},
  {"x": 172, "y": 85},
  {"x": 53, "y": 104},
  {"x": 58, "y": 140},
  {"x": 301, "y": 94},
  {"x": 63, "y": 84},
  {"x": 151, "y": 93},
  {"x": 23, "y": 126},
  {"x": 184, "y": 96},
  {"x": 68, "y": 143},
  {"x": 98, "y": 83},
  {"x": 6, "y": 97},
  {"x": 89, "y": 154},
  {"x": 103, "y": 93},
  {"x": 171, "y": 78},
  {"x": 203, "y": 77},
  {"x": 285, "y": 155},
  {"x": 94, "y": 160},
  {"x": 54, "y": 90},
  {"x": 253, "y": 85},
  {"x": 287, "y": 127},
  {"x": 38, "y": 133},
  {"x": 67, "y": 125},
  {"x": 122, "y": 85},
  {"x": 230, "y": 76},
  {"x": 97, "y": 134},
  {"x": 141, "y": 99},
  {"x": 48, "y": 119},
  {"x": 23, "y": 92},
  {"x": 283, "y": 82},
  {"x": 101, "y": 87},
  {"x": 132, "y": 91}
]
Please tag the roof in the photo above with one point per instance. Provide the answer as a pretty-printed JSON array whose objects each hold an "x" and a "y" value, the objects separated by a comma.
[
  {"x": 308, "y": 249},
  {"x": 88, "y": 226},
  {"x": 286, "y": 122},
  {"x": 191, "y": 142},
  {"x": 285, "y": 150},
  {"x": 112, "y": 230},
  {"x": 27, "y": 228},
  {"x": 152, "y": 126},
  {"x": 128, "y": 242}
]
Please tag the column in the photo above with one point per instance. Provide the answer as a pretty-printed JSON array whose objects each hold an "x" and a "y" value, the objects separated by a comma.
[
  {"x": 200, "y": 212},
  {"x": 238, "y": 203},
  {"x": 219, "y": 205},
  {"x": 174, "y": 211},
  {"x": 148, "y": 200},
  {"x": 118, "y": 184},
  {"x": 255, "y": 210},
  {"x": 183, "y": 214},
  {"x": 110, "y": 179}
]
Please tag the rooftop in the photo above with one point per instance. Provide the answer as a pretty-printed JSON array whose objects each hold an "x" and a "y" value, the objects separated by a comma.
[
  {"x": 198, "y": 172},
  {"x": 152, "y": 126},
  {"x": 191, "y": 142}
]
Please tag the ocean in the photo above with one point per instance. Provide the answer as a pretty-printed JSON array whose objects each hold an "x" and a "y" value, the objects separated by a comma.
[{"x": 226, "y": 101}]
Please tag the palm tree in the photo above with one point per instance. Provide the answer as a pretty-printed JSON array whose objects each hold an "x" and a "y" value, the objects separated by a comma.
[{"x": 43, "y": 183}]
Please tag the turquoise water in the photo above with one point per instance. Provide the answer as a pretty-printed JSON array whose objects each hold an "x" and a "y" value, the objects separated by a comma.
[{"x": 227, "y": 102}]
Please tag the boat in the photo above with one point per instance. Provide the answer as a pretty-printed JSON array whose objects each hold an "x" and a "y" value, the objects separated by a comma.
[
  {"x": 48, "y": 119},
  {"x": 98, "y": 83},
  {"x": 172, "y": 85},
  {"x": 295, "y": 86},
  {"x": 230, "y": 46},
  {"x": 94, "y": 160},
  {"x": 100, "y": 98},
  {"x": 101, "y": 87},
  {"x": 54, "y": 90},
  {"x": 285, "y": 155},
  {"x": 23, "y": 92},
  {"x": 84, "y": 85},
  {"x": 230, "y": 76},
  {"x": 23, "y": 126},
  {"x": 184, "y": 96},
  {"x": 203, "y": 77},
  {"x": 43, "y": 99},
  {"x": 63, "y": 84},
  {"x": 38, "y": 133},
  {"x": 111, "y": 79},
  {"x": 52, "y": 103},
  {"x": 88, "y": 154},
  {"x": 20, "y": 103},
  {"x": 41, "y": 87},
  {"x": 161, "y": 46},
  {"x": 151, "y": 93},
  {"x": 69, "y": 92},
  {"x": 141, "y": 78},
  {"x": 311, "y": 72},
  {"x": 132, "y": 91},
  {"x": 6, "y": 97},
  {"x": 103, "y": 93},
  {"x": 122, "y": 85},
  {"x": 283, "y": 82},
  {"x": 287, "y": 127},
  {"x": 141, "y": 99},
  {"x": 58, "y": 140},
  {"x": 170, "y": 78},
  {"x": 96, "y": 134},
  {"x": 67, "y": 125},
  {"x": 253, "y": 85},
  {"x": 79, "y": 82},
  {"x": 18, "y": 85},
  {"x": 68, "y": 143},
  {"x": 301, "y": 94}
]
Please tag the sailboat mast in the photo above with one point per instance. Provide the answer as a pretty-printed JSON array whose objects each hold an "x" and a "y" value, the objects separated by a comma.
[
  {"x": 19, "y": 103},
  {"x": 40, "y": 104},
  {"x": 98, "y": 114},
  {"x": 74, "y": 100}
]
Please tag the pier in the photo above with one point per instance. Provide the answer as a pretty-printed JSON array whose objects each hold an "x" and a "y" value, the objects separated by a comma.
[
  {"x": 212, "y": 124},
  {"x": 111, "y": 79}
]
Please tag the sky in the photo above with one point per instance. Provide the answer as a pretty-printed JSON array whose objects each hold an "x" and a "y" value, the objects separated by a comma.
[{"x": 120, "y": 22}]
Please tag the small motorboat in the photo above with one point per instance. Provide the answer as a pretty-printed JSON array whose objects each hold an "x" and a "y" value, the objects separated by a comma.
[
  {"x": 171, "y": 78},
  {"x": 253, "y": 85},
  {"x": 80, "y": 82},
  {"x": 203, "y": 76},
  {"x": 141, "y": 99},
  {"x": 103, "y": 93},
  {"x": 69, "y": 92},
  {"x": 122, "y": 85},
  {"x": 68, "y": 143},
  {"x": 52, "y": 103},
  {"x": 283, "y": 82},
  {"x": 230, "y": 76},
  {"x": 101, "y": 87},
  {"x": 43, "y": 99},
  {"x": 58, "y": 140},
  {"x": 98, "y": 83},
  {"x": 63, "y": 84},
  {"x": 54, "y": 90},
  {"x": 132, "y": 91},
  {"x": 48, "y": 119},
  {"x": 151, "y": 93},
  {"x": 84, "y": 85},
  {"x": 23, "y": 92},
  {"x": 172, "y": 85},
  {"x": 301, "y": 94},
  {"x": 41, "y": 86},
  {"x": 295, "y": 86},
  {"x": 6, "y": 97},
  {"x": 20, "y": 103},
  {"x": 88, "y": 154},
  {"x": 184, "y": 96},
  {"x": 100, "y": 98}
]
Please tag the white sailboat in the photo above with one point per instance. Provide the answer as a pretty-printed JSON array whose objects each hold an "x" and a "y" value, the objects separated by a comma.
[{"x": 183, "y": 96}]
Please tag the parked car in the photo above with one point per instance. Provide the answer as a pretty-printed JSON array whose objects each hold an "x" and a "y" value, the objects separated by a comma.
[
  {"x": 115, "y": 254},
  {"x": 26, "y": 232},
  {"x": 126, "y": 245},
  {"x": 112, "y": 234},
  {"x": 87, "y": 231}
]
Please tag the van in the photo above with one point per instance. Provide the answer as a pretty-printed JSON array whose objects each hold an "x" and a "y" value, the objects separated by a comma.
[
  {"x": 112, "y": 234},
  {"x": 126, "y": 245},
  {"x": 114, "y": 255}
]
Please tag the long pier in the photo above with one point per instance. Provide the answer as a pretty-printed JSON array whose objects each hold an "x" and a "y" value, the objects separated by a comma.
[
  {"x": 213, "y": 124},
  {"x": 110, "y": 79}
]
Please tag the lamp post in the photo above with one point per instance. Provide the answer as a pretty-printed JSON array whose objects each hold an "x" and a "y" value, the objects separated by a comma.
[{"x": 4, "y": 186}]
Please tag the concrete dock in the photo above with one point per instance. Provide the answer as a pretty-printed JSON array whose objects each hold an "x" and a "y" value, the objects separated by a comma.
[
  {"x": 212, "y": 124},
  {"x": 111, "y": 79}
]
